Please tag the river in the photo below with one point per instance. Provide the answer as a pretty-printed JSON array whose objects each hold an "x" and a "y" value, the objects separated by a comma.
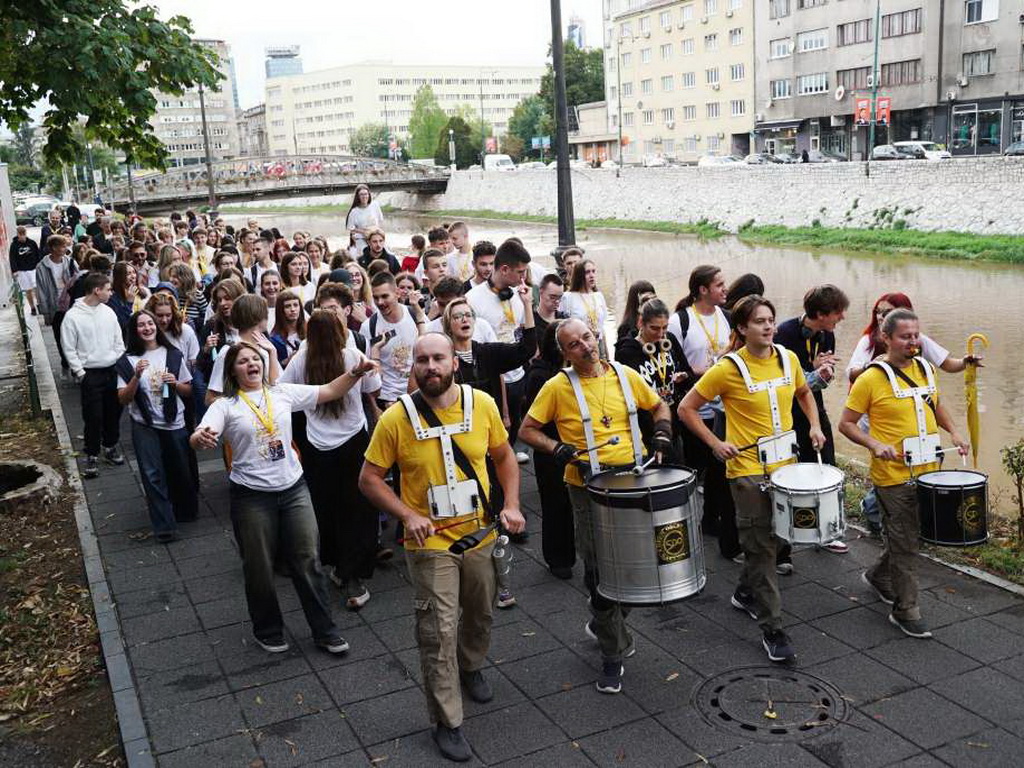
[{"x": 953, "y": 298}]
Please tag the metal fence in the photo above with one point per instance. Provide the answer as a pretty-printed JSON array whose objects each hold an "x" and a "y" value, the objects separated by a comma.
[{"x": 30, "y": 370}]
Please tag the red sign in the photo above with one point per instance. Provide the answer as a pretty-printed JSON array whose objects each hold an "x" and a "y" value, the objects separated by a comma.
[
  {"x": 863, "y": 113},
  {"x": 883, "y": 110},
  {"x": 492, "y": 144}
]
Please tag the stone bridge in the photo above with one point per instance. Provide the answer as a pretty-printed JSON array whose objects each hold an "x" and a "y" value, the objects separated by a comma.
[{"x": 256, "y": 178}]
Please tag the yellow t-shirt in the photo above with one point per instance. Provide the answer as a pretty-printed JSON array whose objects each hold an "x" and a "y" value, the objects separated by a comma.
[
  {"x": 748, "y": 416},
  {"x": 892, "y": 420},
  {"x": 556, "y": 403},
  {"x": 421, "y": 465}
]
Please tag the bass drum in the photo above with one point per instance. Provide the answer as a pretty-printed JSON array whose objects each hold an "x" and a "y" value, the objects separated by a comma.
[
  {"x": 953, "y": 505},
  {"x": 647, "y": 535}
]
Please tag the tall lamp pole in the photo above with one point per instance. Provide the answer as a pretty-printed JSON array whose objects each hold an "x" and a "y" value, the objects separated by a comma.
[
  {"x": 212, "y": 193},
  {"x": 875, "y": 76},
  {"x": 566, "y": 217}
]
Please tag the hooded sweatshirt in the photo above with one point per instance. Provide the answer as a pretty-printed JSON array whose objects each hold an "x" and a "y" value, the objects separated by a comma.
[{"x": 91, "y": 337}]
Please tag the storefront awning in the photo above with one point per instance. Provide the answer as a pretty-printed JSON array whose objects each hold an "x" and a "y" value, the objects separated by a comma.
[{"x": 779, "y": 125}]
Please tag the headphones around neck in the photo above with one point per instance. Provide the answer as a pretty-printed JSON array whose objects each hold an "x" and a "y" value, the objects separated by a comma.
[{"x": 504, "y": 294}]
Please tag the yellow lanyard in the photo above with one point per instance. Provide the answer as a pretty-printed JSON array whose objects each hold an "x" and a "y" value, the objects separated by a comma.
[
  {"x": 712, "y": 337},
  {"x": 184, "y": 310},
  {"x": 590, "y": 305},
  {"x": 812, "y": 354},
  {"x": 465, "y": 268},
  {"x": 506, "y": 307},
  {"x": 266, "y": 419}
]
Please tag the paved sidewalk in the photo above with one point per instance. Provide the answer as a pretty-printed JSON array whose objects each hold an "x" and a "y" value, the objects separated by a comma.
[{"x": 697, "y": 691}]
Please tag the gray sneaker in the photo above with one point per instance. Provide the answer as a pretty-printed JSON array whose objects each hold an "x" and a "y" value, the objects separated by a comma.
[
  {"x": 452, "y": 743},
  {"x": 885, "y": 597},
  {"x": 113, "y": 456},
  {"x": 476, "y": 686},
  {"x": 92, "y": 467},
  {"x": 912, "y": 627}
]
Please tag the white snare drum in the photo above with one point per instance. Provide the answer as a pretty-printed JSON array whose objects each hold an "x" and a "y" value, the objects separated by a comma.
[{"x": 807, "y": 503}]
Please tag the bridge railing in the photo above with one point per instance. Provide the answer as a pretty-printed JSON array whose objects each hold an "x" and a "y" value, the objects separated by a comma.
[{"x": 272, "y": 173}]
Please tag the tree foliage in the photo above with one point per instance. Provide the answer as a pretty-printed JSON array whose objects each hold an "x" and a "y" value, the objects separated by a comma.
[
  {"x": 526, "y": 120},
  {"x": 584, "y": 77},
  {"x": 97, "y": 60},
  {"x": 426, "y": 123},
  {"x": 373, "y": 140},
  {"x": 467, "y": 144}
]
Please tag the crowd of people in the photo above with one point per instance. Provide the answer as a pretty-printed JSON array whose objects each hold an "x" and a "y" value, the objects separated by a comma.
[{"x": 350, "y": 387}]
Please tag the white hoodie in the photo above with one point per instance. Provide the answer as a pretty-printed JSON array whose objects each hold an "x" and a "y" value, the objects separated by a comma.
[{"x": 91, "y": 337}]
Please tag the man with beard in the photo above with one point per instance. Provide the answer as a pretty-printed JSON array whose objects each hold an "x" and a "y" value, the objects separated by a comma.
[{"x": 439, "y": 503}]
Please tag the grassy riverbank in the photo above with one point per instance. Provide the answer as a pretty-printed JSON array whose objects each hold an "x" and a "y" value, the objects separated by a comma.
[{"x": 941, "y": 245}]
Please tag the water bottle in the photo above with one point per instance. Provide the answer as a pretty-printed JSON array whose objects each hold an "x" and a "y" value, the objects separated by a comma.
[{"x": 502, "y": 555}]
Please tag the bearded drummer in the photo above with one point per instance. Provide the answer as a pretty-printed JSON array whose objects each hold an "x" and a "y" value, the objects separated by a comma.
[
  {"x": 594, "y": 406},
  {"x": 899, "y": 395},
  {"x": 758, "y": 382}
]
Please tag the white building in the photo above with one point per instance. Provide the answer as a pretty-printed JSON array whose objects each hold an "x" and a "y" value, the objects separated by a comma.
[{"x": 317, "y": 111}]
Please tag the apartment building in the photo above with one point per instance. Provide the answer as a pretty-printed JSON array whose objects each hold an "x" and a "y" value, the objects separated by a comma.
[
  {"x": 178, "y": 119},
  {"x": 317, "y": 111},
  {"x": 252, "y": 132},
  {"x": 679, "y": 75}
]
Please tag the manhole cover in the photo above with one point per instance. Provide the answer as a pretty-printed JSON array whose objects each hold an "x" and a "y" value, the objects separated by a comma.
[{"x": 770, "y": 704}]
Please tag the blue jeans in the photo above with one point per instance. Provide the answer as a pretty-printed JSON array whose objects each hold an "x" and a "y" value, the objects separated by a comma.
[
  {"x": 269, "y": 522},
  {"x": 869, "y": 506},
  {"x": 164, "y": 457}
]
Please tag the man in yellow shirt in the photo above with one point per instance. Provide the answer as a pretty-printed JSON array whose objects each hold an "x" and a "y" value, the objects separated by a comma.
[
  {"x": 902, "y": 436},
  {"x": 437, "y": 510},
  {"x": 600, "y": 386},
  {"x": 758, "y": 383}
]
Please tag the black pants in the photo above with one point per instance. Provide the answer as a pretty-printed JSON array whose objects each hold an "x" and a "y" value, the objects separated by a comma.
[
  {"x": 347, "y": 521},
  {"x": 719, "y": 510},
  {"x": 100, "y": 410},
  {"x": 58, "y": 319},
  {"x": 802, "y": 427},
  {"x": 559, "y": 538},
  {"x": 514, "y": 393}
]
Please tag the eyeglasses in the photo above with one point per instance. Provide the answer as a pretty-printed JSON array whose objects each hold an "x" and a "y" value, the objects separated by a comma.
[
  {"x": 882, "y": 312},
  {"x": 462, "y": 316}
]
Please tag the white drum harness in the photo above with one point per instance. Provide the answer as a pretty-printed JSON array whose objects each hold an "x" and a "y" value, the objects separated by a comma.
[
  {"x": 923, "y": 448},
  {"x": 588, "y": 422}
]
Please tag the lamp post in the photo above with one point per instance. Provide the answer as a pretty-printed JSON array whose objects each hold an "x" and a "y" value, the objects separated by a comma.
[
  {"x": 874, "y": 81},
  {"x": 211, "y": 192},
  {"x": 566, "y": 217},
  {"x": 618, "y": 76},
  {"x": 451, "y": 149}
]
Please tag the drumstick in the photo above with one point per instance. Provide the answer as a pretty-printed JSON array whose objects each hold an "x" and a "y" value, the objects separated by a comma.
[{"x": 613, "y": 440}]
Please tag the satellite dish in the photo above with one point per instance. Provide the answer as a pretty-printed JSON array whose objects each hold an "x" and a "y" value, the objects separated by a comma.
[{"x": 840, "y": 93}]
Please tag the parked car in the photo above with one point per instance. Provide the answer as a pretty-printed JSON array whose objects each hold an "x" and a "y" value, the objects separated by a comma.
[
  {"x": 928, "y": 150},
  {"x": 761, "y": 158},
  {"x": 609, "y": 164},
  {"x": 785, "y": 157},
  {"x": 532, "y": 165},
  {"x": 887, "y": 152},
  {"x": 33, "y": 213},
  {"x": 719, "y": 161},
  {"x": 497, "y": 162},
  {"x": 653, "y": 161},
  {"x": 1015, "y": 150},
  {"x": 816, "y": 156}
]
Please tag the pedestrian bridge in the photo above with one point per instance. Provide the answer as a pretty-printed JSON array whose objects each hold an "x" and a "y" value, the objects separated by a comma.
[{"x": 256, "y": 178}]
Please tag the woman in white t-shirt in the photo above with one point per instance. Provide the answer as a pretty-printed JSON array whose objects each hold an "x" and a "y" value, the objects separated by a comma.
[
  {"x": 363, "y": 215},
  {"x": 337, "y": 438},
  {"x": 289, "y": 327},
  {"x": 152, "y": 378},
  {"x": 270, "y": 504},
  {"x": 318, "y": 265},
  {"x": 585, "y": 302},
  {"x": 294, "y": 276}
]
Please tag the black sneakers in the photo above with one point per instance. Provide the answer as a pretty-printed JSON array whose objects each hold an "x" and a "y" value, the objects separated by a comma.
[
  {"x": 777, "y": 645},
  {"x": 92, "y": 467},
  {"x": 273, "y": 644},
  {"x": 912, "y": 627},
  {"x": 452, "y": 743},
  {"x": 610, "y": 680},
  {"x": 332, "y": 644},
  {"x": 885, "y": 597},
  {"x": 744, "y": 601},
  {"x": 113, "y": 456},
  {"x": 476, "y": 686}
]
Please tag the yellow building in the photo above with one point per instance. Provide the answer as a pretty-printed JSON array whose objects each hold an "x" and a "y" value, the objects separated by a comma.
[{"x": 679, "y": 75}]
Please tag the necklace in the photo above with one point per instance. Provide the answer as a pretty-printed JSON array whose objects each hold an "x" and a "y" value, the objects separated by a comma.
[{"x": 605, "y": 418}]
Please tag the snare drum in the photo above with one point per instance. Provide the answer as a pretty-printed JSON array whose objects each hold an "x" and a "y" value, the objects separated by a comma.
[
  {"x": 954, "y": 507},
  {"x": 647, "y": 535},
  {"x": 807, "y": 503}
]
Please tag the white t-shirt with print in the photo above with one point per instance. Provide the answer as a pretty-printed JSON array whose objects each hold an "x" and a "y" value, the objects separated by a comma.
[
  {"x": 396, "y": 355},
  {"x": 697, "y": 346},
  {"x": 591, "y": 308},
  {"x": 151, "y": 383},
  {"x": 487, "y": 305},
  {"x": 187, "y": 343}
]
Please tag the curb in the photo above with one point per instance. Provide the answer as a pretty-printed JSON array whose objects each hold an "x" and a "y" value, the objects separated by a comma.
[{"x": 134, "y": 736}]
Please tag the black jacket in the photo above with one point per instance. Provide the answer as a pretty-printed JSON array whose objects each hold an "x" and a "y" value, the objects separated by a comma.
[
  {"x": 393, "y": 265},
  {"x": 493, "y": 359},
  {"x": 806, "y": 345},
  {"x": 629, "y": 351},
  {"x": 24, "y": 255}
]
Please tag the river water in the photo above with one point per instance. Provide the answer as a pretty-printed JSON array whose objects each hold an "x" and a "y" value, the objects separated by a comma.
[{"x": 953, "y": 298}]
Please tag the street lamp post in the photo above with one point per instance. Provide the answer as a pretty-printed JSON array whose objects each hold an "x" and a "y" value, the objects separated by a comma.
[
  {"x": 211, "y": 192},
  {"x": 874, "y": 81},
  {"x": 451, "y": 148},
  {"x": 566, "y": 217}
]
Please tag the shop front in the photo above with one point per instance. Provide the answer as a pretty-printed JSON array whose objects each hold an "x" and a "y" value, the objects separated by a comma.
[
  {"x": 977, "y": 128},
  {"x": 778, "y": 137}
]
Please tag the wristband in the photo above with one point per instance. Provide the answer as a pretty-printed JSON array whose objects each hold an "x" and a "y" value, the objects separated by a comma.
[{"x": 664, "y": 426}]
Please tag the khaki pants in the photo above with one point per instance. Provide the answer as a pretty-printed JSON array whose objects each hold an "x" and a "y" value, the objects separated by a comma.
[
  {"x": 758, "y": 541},
  {"x": 609, "y": 617},
  {"x": 445, "y": 583},
  {"x": 895, "y": 572}
]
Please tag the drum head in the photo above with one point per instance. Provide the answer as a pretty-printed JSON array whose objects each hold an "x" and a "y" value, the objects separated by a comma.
[
  {"x": 952, "y": 478},
  {"x": 807, "y": 477},
  {"x": 653, "y": 478}
]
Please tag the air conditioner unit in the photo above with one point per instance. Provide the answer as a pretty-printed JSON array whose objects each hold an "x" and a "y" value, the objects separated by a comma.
[
  {"x": 728, "y": 14},
  {"x": 759, "y": 117},
  {"x": 951, "y": 95},
  {"x": 715, "y": 86},
  {"x": 647, "y": 35},
  {"x": 670, "y": 124},
  {"x": 696, "y": 137},
  {"x": 682, "y": 25},
  {"x": 870, "y": 81},
  {"x": 668, "y": 28},
  {"x": 721, "y": 135},
  {"x": 962, "y": 81},
  {"x": 704, "y": 20}
]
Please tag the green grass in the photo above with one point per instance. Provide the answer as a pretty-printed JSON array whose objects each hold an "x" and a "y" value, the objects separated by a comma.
[{"x": 941, "y": 245}]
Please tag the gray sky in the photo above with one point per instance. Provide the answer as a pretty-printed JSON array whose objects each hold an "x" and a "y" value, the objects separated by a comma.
[{"x": 403, "y": 31}]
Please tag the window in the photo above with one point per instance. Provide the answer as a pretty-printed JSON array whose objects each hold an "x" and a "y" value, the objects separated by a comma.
[
  {"x": 780, "y": 48},
  {"x": 979, "y": 63},
  {"x": 738, "y": 107},
  {"x": 901, "y": 72},
  {"x": 710, "y": 7},
  {"x": 665, "y": 19},
  {"x": 807, "y": 85},
  {"x": 648, "y": 116},
  {"x": 713, "y": 109},
  {"x": 714, "y": 144},
  {"x": 781, "y": 89},
  {"x": 645, "y": 24},
  {"x": 613, "y": 93},
  {"x": 711, "y": 76},
  {"x": 668, "y": 83},
  {"x": 627, "y": 59},
  {"x": 980, "y": 10},
  {"x": 778, "y": 9},
  {"x": 736, "y": 36},
  {"x": 854, "y": 32},
  {"x": 627, "y": 119},
  {"x": 690, "y": 144},
  {"x": 810, "y": 3},
  {"x": 627, "y": 89},
  {"x": 668, "y": 115},
  {"x": 711, "y": 42},
  {"x": 686, "y": 47},
  {"x": 853, "y": 79},
  {"x": 736, "y": 72},
  {"x": 669, "y": 146},
  {"x": 686, "y": 13},
  {"x": 646, "y": 86},
  {"x": 626, "y": 29},
  {"x": 903, "y": 23},
  {"x": 666, "y": 51},
  {"x": 735, "y": 5},
  {"x": 689, "y": 80},
  {"x": 812, "y": 40},
  {"x": 690, "y": 112},
  {"x": 645, "y": 55}
]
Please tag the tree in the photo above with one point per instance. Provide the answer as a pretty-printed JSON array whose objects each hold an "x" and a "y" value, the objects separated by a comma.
[
  {"x": 426, "y": 123},
  {"x": 512, "y": 146},
  {"x": 97, "y": 59},
  {"x": 525, "y": 122},
  {"x": 369, "y": 140},
  {"x": 24, "y": 144},
  {"x": 584, "y": 77},
  {"x": 467, "y": 151}
]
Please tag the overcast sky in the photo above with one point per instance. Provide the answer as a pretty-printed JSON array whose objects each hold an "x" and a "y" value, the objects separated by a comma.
[{"x": 333, "y": 32}]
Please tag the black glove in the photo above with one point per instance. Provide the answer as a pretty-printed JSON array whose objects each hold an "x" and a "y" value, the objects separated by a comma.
[
  {"x": 662, "y": 443},
  {"x": 564, "y": 454}
]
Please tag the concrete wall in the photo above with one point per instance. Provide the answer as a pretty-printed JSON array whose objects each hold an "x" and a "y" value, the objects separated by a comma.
[{"x": 984, "y": 195}]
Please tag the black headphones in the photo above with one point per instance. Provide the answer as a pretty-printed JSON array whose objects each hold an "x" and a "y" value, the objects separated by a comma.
[{"x": 504, "y": 294}]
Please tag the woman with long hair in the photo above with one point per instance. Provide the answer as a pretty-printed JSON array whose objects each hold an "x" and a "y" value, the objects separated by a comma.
[
  {"x": 289, "y": 328},
  {"x": 337, "y": 437},
  {"x": 191, "y": 297},
  {"x": 125, "y": 295},
  {"x": 639, "y": 292},
  {"x": 152, "y": 378},
  {"x": 409, "y": 287},
  {"x": 583, "y": 301},
  {"x": 295, "y": 276},
  {"x": 363, "y": 306},
  {"x": 280, "y": 250},
  {"x": 317, "y": 255},
  {"x": 270, "y": 505},
  {"x": 745, "y": 285},
  {"x": 218, "y": 331},
  {"x": 364, "y": 215},
  {"x": 169, "y": 254},
  {"x": 164, "y": 308}
]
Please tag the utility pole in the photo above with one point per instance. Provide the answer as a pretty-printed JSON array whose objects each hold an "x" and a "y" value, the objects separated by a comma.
[
  {"x": 212, "y": 194},
  {"x": 618, "y": 91},
  {"x": 483, "y": 140},
  {"x": 566, "y": 217},
  {"x": 875, "y": 75},
  {"x": 131, "y": 185}
]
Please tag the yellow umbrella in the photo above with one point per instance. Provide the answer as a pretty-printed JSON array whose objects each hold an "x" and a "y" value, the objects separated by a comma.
[{"x": 971, "y": 391}]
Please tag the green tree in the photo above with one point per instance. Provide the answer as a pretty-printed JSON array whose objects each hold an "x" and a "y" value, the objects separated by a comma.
[
  {"x": 426, "y": 123},
  {"x": 23, "y": 178},
  {"x": 513, "y": 146},
  {"x": 467, "y": 147},
  {"x": 97, "y": 59},
  {"x": 369, "y": 140},
  {"x": 525, "y": 122},
  {"x": 24, "y": 144},
  {"x": 584, "y": 77}
]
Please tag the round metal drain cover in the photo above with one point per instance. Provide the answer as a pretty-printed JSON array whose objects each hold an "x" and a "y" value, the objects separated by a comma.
[{"x": 770, "y": 704}]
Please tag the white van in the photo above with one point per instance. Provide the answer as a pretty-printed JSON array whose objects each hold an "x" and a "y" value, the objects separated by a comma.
[
  {"x": 929, "y": 149},
  {"x": 498, "y": 163}
]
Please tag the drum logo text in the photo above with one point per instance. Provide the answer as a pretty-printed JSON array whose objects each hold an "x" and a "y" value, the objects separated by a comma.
[
  {"x": 972, "y": 514},
  {"x": 805, "y": 518},
  {"x": 672, "y": 542}
]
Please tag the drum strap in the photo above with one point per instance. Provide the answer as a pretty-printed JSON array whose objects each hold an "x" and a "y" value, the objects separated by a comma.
[
  {"x": 922, "y": 395},
  {"x": 588, "y": 422},
  {"x": 770, "y": 385}
]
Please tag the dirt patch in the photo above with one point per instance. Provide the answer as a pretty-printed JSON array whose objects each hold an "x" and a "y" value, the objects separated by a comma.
[{"x": 56, "y": 707}]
